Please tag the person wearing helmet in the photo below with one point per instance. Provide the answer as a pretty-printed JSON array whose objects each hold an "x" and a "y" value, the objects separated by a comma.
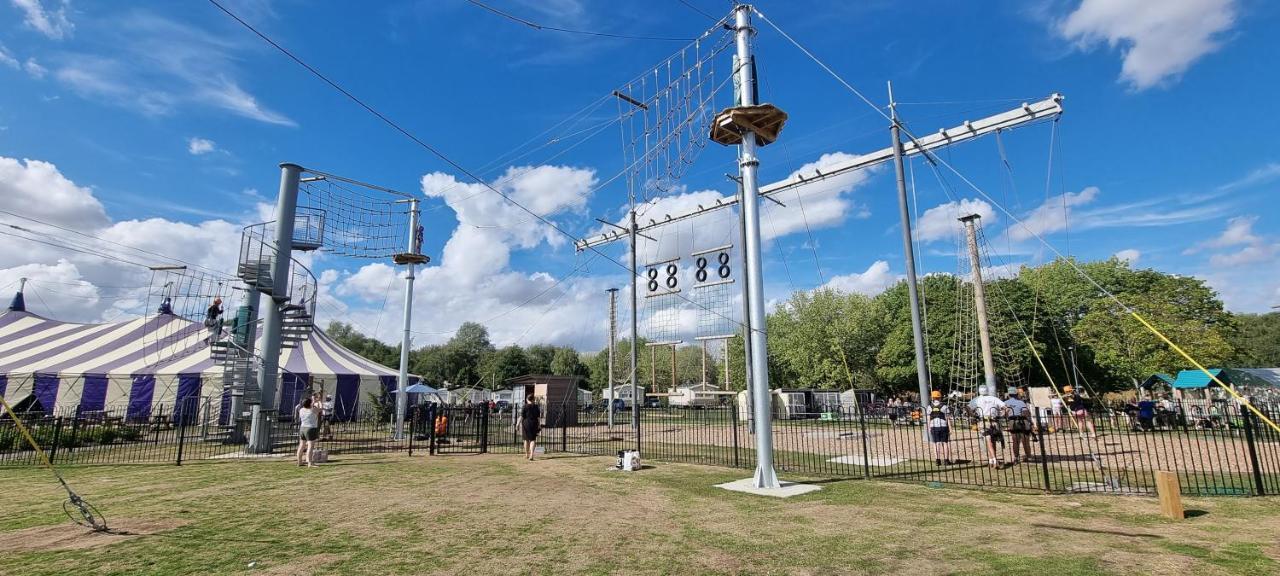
[
  {"x": 1019, "y": 425},
  {"x": 988, "y": 409},
  {"x": 939, "y": 429}
]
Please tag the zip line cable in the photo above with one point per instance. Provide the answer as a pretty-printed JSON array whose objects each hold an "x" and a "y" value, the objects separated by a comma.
[
  {"x": 935, "y": 158},
  {"x": 421, "y": 143},
  {"x": 537, "y": 26},
  {"x": 698, "y": 10},
  {"x": 122, "y": 245}
]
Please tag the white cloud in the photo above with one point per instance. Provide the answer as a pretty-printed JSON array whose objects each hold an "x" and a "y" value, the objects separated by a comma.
[
  {"x": 1260, "y": 175},
  {"x": 39, "y": 190},
  {"x": 943, "y": 221},
  {"x": 1129, "y": 255},
  {"x": 1052, "y": 216},
  {"x": 162, "y": 65},
  {"x": 198, "y": 146},
  {"x": 1159, "y": 40},
  {"x": 7, "y": 58},
  {"x": 874, "y": 280},
  {"x": 34, "y": 68},
  {"x": 1239, "y": 231},
  {"x": 78, "y": 286},
  {"x": 51, "y": 23}
]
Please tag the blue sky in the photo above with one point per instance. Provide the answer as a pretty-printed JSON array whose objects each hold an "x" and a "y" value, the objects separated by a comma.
[{"x": 160, "y": 125}]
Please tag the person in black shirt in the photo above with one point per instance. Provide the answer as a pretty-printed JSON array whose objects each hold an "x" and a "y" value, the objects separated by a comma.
[
  {"x": 213, "y": 321},
  {"x": 530, "y": 424}
]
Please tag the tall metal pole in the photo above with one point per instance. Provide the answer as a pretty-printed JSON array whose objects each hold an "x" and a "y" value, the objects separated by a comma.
[
  {"x": 765, "y": 477},
  {"x": 286, "y": 212},
  {"x": 613, "y": 338},
  {"x": 635, "y": 326},
  {"x": 917, "y": 330},
  {"x": 980, "y": 302},
  {"x": 402, "y": 397}
]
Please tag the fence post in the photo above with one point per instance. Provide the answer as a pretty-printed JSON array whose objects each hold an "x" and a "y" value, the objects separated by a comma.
[
  {"x": 180, "y": 422},
  {"x": 733, "y": 417},
  {"x": 484, "y": 430},
  {"x": 862, "y": 430},
  {"x": 57, "y": 436},
  {"x": 564, "y": 431},
  {"x": 1258, "y": 486},
  {"x": 413, "y": 426},
  {"x": 1044, "y": 456}
]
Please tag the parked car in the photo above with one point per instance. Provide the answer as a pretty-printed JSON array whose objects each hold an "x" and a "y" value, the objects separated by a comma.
[{"x": 501, "y": 406}]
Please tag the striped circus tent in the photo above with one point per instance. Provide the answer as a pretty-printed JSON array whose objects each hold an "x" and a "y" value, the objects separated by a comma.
[{"x": 154, "y": 365}]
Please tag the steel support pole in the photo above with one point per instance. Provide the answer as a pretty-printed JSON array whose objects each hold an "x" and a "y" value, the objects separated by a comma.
[
  {"x": 286, "y": 212},
  {"x": 635, "y": 327},
  {"x": 913, "y": 293},
  {"x": 250, "y": 330},
  {"x": 765, "y": 476},
  {"x": 980, "y": 302},
  {"x": 402, "y": 397},
  {"x": 613, "y": 338}
]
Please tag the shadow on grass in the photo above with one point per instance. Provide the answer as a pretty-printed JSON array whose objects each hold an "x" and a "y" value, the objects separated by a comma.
[
  {"x": 1098, "y": 531},
  {"x": 1195, "y": 513}
]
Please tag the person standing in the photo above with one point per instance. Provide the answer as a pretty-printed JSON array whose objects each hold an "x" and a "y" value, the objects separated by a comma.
[
  {"x": 308, "y": 431},
  {"x": 530, "y": 424},
  {"x": 1055, "y": 411},
  {"x": 213, "y": 321},
  {"x": 326, "y": 419},
  {"x": 1146, "y": 415},
  {"x": 939, "y": 429},
  {"x": 989, "y": 409},
  {"x": 1079, "y": 406},
  {"x": 1019, "y": 426}
]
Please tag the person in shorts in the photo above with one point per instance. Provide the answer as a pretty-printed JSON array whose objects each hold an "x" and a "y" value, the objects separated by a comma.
[
  {"x": 1079, "y": 407},
  {"x": 1019, "y": 425},
  {"x": 308, "y": 431},
  {"x": 939, "y": 429},
  {"x": 988, "y": 409},
  {"x": 326, "y": 417}
]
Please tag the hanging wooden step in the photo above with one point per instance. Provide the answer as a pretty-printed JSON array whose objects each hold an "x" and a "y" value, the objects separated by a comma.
[
  {"x": 764, "y": 120},
  {"x": 410, "y": 258}
]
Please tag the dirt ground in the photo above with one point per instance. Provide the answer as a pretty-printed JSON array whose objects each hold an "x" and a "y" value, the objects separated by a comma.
[{"x": 499, "y": 514}]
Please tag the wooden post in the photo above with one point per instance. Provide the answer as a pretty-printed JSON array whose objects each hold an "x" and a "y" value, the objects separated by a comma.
[{"x": 1170, "y": 493}]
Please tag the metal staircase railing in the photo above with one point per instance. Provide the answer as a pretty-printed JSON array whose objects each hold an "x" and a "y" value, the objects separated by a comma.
[{"x": 297, "y": 307}]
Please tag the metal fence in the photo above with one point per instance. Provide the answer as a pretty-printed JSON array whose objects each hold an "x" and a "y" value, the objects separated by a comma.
[
  {"x": 1227, "y": 453},
  {"x": 188, "y": 432}
]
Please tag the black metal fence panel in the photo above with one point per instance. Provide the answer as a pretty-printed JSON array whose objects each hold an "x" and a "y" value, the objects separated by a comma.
[{"x": 1231, "y": 453}]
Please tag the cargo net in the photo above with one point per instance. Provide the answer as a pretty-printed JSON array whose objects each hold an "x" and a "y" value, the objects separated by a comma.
[
  {"x": 713, "y": 290},
  {"x": 345, "y": 218},
  {"x": 662, "y": 302},
  {"x": 666, "y": 113},
  {"x": 178, "y": 301}
]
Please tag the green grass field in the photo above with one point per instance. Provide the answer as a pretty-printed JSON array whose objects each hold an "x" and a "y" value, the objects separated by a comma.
[{"x": 498, "y": 514}]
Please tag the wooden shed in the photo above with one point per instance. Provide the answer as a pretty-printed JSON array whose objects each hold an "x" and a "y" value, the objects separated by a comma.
[{"x": 558, "y": 396}]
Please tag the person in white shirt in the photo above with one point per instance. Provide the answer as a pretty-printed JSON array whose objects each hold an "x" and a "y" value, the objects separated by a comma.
[
  {"x": 1055, "y": 411},
  {"x": 326, "y": 417},
  {"x": 989, "y": 409},
  {"x": 308, "y": 430}
]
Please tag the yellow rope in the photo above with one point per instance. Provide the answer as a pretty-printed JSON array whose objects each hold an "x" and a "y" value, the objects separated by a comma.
[
  {"x": 1045, "y": 369},
  {"x": 26, "y": 434},
  {"x": 1244, "y": 401}
]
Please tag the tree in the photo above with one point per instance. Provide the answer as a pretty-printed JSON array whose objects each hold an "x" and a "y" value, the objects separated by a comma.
[
  {"x": 826, "y": 339},
  {"x": 463, "y": 354},
  {"x": 565, "y": 362},
  {"x": 1257, "y": 343},
  {"x": 540, "y": 357},
  {"x": 503, "y": 365},
  {"x": 1184, "y": 309}
]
